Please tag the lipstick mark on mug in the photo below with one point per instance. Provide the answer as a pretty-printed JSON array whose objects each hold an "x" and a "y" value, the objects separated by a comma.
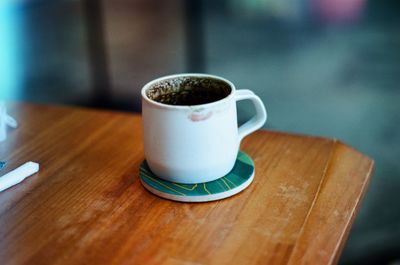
[{"x": 195, "y": 117}]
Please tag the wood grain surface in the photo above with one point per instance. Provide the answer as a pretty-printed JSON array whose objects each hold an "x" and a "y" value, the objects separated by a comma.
[{"x": 87, "y": 206}]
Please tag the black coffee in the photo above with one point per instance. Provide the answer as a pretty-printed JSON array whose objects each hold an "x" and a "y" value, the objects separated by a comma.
[{"x": 188, "y": 91}]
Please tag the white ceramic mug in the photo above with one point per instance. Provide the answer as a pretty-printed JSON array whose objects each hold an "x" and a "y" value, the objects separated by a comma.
[{"x": 198, "y": 143}]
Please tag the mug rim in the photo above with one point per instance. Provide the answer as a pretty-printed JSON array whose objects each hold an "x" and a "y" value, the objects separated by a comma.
[{"x": 168, "y": 106}]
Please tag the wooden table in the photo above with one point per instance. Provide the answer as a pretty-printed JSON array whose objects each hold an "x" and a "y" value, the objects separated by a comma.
[{"x": 87, "y": 205}]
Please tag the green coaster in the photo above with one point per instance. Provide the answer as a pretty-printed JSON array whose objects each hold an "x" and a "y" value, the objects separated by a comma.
[{"x": 234, "y": 182}]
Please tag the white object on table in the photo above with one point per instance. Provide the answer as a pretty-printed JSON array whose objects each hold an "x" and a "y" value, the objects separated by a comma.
[
  {"x": 5, "y": 120},
  {"x": 18, "y": 175}
]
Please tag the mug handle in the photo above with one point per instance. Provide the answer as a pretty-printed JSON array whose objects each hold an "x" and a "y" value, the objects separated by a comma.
[{"x": 258, "y": 120}]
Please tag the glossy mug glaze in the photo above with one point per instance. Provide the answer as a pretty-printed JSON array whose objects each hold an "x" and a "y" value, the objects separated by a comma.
[{"x": 198, "y": 143}]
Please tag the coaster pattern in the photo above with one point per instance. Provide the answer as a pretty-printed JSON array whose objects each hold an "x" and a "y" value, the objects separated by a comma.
[{"x": 235, "y": 181}]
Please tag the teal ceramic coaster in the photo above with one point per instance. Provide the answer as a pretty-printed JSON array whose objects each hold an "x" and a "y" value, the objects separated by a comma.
[{"x": 234, "y": 182}]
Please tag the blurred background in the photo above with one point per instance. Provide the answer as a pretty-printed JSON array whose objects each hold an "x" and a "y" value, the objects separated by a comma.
[{"x": 322, "y": 67}]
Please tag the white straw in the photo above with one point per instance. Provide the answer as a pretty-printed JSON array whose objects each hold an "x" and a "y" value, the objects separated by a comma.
[{"x": 17, "y": 175}]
